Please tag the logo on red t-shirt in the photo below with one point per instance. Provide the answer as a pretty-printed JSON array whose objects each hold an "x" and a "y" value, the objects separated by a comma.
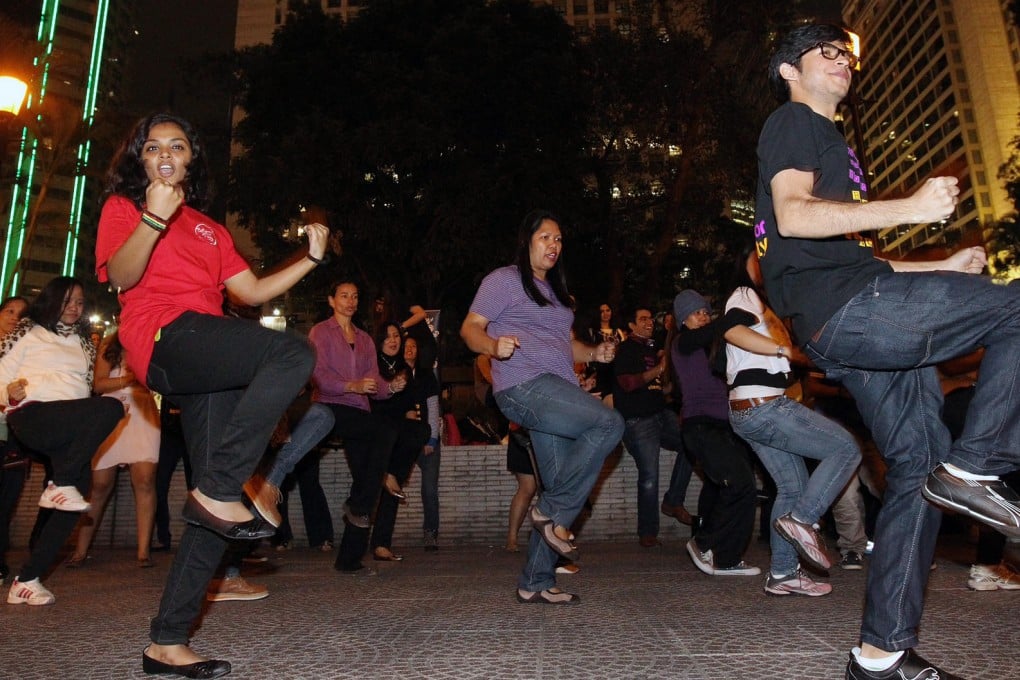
[{"x": 205, "y": 232}]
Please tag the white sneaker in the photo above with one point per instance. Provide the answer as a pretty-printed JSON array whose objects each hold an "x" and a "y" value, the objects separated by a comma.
[
  {"x": 30, "y": 592},
  {"x": 705, "y": 561},
  {"x": 702, "y": 560},
  {"x": 66, "y": 498},
  {"x": 993, "y": 577}
]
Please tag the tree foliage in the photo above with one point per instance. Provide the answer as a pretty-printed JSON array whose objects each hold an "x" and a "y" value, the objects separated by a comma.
[{"x": 425, "y": 128}]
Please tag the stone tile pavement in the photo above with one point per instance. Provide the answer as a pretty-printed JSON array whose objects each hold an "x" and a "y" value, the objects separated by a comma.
[{"x": 645, "y": 613}]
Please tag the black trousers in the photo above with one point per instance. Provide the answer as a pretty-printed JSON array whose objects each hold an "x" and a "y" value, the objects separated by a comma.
[
  {"x": 369, "y": 439},
  {"x": 232, "y": 379},
  {"x": 411, "y": 437},
  {"x": 67, "y": 432},
  {"x": 729, "y": 510}
]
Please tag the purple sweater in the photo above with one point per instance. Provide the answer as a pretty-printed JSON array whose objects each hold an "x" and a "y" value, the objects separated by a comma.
[
  {"x": 337, "y": 363},
  {"x": 544, "y": 332},
  {"x": 705, "y": 394}
]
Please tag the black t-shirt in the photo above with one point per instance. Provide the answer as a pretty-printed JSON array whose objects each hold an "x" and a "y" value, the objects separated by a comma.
[
  {"x": 637, "y": 356},
  {"x": 810, "y": 279}
]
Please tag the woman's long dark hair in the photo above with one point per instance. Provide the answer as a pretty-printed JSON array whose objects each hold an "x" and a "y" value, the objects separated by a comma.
[
  {"x": 47, "y": 307},
  {"x": 114, "y": 351},
  {"x": 739, "y": 278},
  {"x": 555, "y": 277},
  {"x": 126, "y": 176}
]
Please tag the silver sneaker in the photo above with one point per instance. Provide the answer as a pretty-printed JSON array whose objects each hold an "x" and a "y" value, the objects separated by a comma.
[
  {"x": 797, "y": 583},
  {"x": 993, "y": 577}
]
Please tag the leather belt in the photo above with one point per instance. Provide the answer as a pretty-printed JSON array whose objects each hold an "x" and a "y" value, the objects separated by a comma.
[{"x": 744, "y": 404}]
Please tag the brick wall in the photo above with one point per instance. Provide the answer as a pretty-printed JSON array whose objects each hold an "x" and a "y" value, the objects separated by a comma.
[{"x": 474, "y": 492}]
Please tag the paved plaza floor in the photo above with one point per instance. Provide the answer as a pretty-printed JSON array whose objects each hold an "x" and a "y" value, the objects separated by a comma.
[{"x": 645, "y": 613}]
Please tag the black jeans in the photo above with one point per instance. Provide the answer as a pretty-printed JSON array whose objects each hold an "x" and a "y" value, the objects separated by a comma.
[
  {"x": 369, "y": 439},
  {"x": 411, "y": 437},
  {"x": 314, "y": 506},
  {"x": 726, "y": 461},
  {"x": 232, "y": 379},
  {"x": 172, "y": 450},
  {"x": 68, "y": 432}
]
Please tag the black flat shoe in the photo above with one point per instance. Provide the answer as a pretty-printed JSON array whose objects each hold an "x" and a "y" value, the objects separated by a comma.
[
  {"x": 213, "y": 668},
  {"x": 253, "y": 529}
]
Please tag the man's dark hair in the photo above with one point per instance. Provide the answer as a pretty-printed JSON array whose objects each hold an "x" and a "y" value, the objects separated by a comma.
[{"x": 792, "y": 46}]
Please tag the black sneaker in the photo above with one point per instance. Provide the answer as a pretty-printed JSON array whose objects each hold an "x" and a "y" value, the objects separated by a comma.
[
  {"x": 852, "y": 561},
  {"x": 909, "y": 667},
  {"x": 989, "y": 501}
]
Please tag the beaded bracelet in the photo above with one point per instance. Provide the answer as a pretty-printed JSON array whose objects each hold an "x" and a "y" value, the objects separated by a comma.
[{"x": 152, "y": 221}]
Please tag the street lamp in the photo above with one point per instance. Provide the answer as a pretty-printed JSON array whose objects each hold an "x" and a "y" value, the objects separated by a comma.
[{"x": 12, "y": 96}]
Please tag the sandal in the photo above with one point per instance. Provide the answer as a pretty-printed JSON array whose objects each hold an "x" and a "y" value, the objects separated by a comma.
[
  {"x": 544, "y": 525},
  {"x": 550, "y": 596},
  {"x": 76, "y": 561},
  {"x": 386, "y": 555}
]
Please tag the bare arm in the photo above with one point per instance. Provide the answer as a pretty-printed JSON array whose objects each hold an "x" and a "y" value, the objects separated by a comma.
[
  {"x": 479, "y": 341},
  {"x": 417, "y": 316},
  {"x": 967, "y": 261},
  {"x": 253, "y": 290},
  {"x": 755, "y": 343},
  {"x": 583, "y": 352},
  {"x": 102, "y": 383},
  {"x": 802, "y": 215},
  {"x": 127, "y": 265}
]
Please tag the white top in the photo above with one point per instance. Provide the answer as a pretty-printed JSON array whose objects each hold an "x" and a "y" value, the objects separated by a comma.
[
  {"x": 55, "y": 367},
  {"x": 136, "y": 437},
  {"x": 738, "y": 359}
]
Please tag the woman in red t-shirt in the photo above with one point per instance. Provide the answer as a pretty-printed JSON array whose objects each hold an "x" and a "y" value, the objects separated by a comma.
[{"x": 232, "y": 379}]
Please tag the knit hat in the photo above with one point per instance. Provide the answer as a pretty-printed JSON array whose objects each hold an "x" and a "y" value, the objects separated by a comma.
[{"x": 686, "y": 303}]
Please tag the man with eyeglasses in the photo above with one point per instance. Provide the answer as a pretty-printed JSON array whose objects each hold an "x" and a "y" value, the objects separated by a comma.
[{"x": 879, "y": 328}]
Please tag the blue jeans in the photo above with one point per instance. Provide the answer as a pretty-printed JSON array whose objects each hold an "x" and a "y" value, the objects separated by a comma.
[
  {"x": 572, "y": 432},
  {"x": 644, "y": 437},
  {"x": 783, "y": 433},
  {"x": 882, "y": 346},
  {"x": 313, "y": 427},
  {"x": 429, "y": 464}
]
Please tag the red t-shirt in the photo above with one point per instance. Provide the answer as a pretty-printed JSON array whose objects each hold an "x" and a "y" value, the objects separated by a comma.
[{"x": 185, "y": 273}]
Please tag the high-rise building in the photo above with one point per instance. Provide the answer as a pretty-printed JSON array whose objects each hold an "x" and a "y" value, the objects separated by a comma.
[
  {"x": 257, "y": 19},
  {"x": 40, "y": 231},
  {"x": 937, "y": 95}
]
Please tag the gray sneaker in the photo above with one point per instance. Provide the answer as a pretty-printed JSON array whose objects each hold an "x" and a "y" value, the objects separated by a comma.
[{"x": 989, "y": 501}]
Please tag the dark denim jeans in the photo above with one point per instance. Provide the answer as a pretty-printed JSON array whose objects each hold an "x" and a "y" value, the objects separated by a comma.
[
  {"x": 572, "y": 432},
  {"x": 305, "y": 435},
  {"x": 233, "y": 379},
  {"x": 429, "y": 464},
  {"x": 882, "y": 346},
  {"x": 644, "y": 437},
  {"x": 784, "y": 433}
]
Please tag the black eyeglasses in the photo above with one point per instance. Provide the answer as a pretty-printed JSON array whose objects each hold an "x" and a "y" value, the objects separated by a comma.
[{"x": 832, "y": 53}]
